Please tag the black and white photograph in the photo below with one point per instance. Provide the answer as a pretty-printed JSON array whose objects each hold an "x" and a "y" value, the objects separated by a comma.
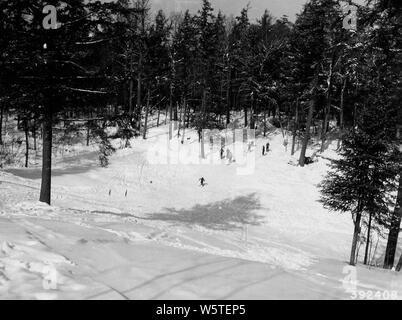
[{"x": 200, "y": 150}]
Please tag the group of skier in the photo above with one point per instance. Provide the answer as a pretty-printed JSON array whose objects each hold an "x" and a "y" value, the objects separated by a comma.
[{"x": 229, "y": 157}]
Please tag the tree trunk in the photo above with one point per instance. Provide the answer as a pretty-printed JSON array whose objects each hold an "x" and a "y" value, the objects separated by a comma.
[
  {"x": 355, "y": 238},
  {"x": 146, "y": 116},
  {"x": 175, "y": 113},
  {"x": 187, "y": 116},
  {"x": 45, "y": 192},
  {"x": 366, "y": 256},
  {"x": 228, "y": 96},
  {"x": 26, "y": 129},
  {"x": 204, "y": 105},
  {"x": 139, "y": 93},
  {"x": 1, "y": 122},
  {"x": 342, "y": 112},
  {"x": 171, "y": 112},
  {"x": 399, "y": 265},
  {"x": 159, "y": 117},
  {"x": 245, "y": 116},
  {"x": 184, "y": 121},
  {"x": 375, "y": 251},
  {"x": 252, "y": 119},
  {"x": 34, "y": 133},
  {"x": 306, "y": 139},
  {"x": 139, "y": 103},
  {"x": 342, "y": 116},
  {"x": 180, "y": 112},
  {"x": 354, "y": 117},
  {"x": 295, "y": 127},
  {"x": 88, "y": 132},
  {"x": 130, "y": 98},
  {"x": 394, "y": 230},
  {"x": 329, "y": 103},
  {"x": 202, "y": 145}
]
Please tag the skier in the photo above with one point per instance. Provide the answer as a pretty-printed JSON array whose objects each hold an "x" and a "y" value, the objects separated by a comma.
[
  {"x": 222, "y": 153},
  {"x": 267, "y": 147},
  {"x": 285, "y": 144},
  {"x": 202, "y": 182},
  {"x": 251, "y": 145},
  {"x": 229, "y": 156},
  {"x": 263, "y": 150}
]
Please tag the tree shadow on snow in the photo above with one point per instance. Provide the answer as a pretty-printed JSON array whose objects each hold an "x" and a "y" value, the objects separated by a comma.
[
  {"x": 76, "y": 164},
  {"x": 227, "y": 214},
  {"x": 36, "y": 173}
]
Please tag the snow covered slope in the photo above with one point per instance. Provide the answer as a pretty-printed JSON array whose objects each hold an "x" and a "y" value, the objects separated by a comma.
[{"x": 138, "y": 230}]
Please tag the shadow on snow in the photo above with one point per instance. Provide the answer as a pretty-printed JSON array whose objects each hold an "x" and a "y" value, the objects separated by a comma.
[{"x": 227, "y": 214}]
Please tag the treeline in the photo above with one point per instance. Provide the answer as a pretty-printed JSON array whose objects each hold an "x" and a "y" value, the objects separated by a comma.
[{"x": 115, "y": 64}]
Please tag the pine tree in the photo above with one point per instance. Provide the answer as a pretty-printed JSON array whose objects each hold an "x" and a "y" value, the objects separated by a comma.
[
  {"x": 157, "y": 64},
  {"x": 184, "y": 54},
  {"x": 314, "y": 50},
  {"x": 53, "y": 67},
  {"x": 386, "y": 40},
  {"x": 361, "y": 181},
  {"x": 206, "y": 52}
]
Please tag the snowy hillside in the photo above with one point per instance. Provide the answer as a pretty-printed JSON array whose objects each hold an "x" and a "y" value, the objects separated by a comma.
[{"x": 140, "y": 230}]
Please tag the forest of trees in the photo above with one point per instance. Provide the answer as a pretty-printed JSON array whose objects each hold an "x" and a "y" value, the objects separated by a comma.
[{"x": 116, "y": 63}]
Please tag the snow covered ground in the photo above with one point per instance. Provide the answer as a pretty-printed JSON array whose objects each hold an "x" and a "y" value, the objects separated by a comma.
[{"x": 140, "y": 230}]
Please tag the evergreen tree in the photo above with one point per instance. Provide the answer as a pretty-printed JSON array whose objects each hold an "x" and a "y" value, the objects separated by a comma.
[
  {"x": 362, "y": 179},
  {"x": 58, "y": 69},
  {"x": 184, "y": 54}
]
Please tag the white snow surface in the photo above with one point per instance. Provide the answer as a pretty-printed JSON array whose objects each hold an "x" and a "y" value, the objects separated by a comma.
[{"x": 260, "y": 236}]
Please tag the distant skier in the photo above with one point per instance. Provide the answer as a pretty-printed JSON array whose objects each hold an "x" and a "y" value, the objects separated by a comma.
[
  {"x": 202, "y": 182},
  {"x": 263, "y": 150},
  {"x": 267, "y": 147},
  {"x": 229, "y": 156},
  {"x": 285, "y": 144},
  {"x": 222, "y": 153},
  {"x": 126, "y": 194},
  {"x": 110, "y": 192}
]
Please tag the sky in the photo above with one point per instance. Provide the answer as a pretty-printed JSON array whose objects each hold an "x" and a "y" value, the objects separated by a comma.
[
  {"x": 278, "y": 8},
  {"x": 257, "y": 7}
]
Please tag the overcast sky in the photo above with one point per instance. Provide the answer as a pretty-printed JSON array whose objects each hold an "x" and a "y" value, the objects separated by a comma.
[{"x": 276, "y": 7}]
